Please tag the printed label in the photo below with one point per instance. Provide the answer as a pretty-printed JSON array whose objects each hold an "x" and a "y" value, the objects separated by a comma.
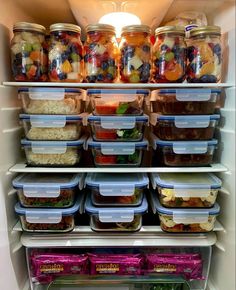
[
  {"x": 107, "y": 268},
  {"x": 164, "y": 268},
  {"x": 51, "y": 268}
]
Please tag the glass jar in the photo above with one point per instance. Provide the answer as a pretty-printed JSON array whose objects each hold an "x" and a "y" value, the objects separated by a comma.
[
  {"x": 28, "y": 52},
  {"x": 65, "y": 53},
  {"x": 101, "y": 54},
  {"x": 169, "y": 55},
  {"x": 204, "y": 55},
  {"x": 135, "y": 48}
]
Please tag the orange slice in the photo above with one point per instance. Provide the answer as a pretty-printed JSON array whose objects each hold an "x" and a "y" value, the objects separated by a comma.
[
  {"x": 173, "y": 72},
  {"x": 207, "y": 69},
  {"x": 206, "y": 53}
]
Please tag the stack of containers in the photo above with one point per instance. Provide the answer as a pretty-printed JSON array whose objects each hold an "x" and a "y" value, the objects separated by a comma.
[{"x": 184, "y": 122}]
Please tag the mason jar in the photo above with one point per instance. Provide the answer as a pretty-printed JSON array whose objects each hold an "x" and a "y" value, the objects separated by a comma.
[
  {"x": 101, "y": 54},
  {"x": 29, "y": 52},
  {"x": 135, "y": 49},
  {"x": 65, "y": 53},
  {"x": 204, "y": 55},
  {"x": 169, "y": 55}
]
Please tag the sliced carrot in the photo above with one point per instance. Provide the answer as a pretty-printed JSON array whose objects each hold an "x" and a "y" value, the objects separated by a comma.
[{"x": 35, "y": 55}]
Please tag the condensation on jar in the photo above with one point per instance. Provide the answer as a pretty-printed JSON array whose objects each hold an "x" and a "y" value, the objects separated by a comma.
[
  {"x": 169, "y": 55},
  {"x": 29, "y": 52},
  {"x": 65, "y": 53},
  {"x": 101, "y": 54},
  {"x": 135, "y": 49},
  {"x": 204, "y": 55}
]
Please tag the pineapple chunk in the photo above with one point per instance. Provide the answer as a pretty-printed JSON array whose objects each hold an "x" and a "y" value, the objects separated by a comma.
[
  {"x": 136, "y": 62},
  {"x": 72, "y": 76},
  {"x": 91, "y": 69},
  {"x": 169, "y": 42},
  {"x": 75, "y": 66},
  {"x": 99, "y": 49}
]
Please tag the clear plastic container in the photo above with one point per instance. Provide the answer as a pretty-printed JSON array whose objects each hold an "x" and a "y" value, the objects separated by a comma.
[
  {"x": 116, "y": 128},
  {"x": 186, "y": 189},
  {"x": 185, "y": 220},
  {"x": 117, "y": 154},
  {"x": 52, "y": 127},
  {"x": 52, "y": 101},
  {"x": 48, "y": 220},
  {"x": 117, "y": 189},
  {"x": 186, "y": 128},
  {"x": 185, "y": 101},
  {"x": 114, "y": 102},
  {"x": 108, "y": 219},
  {"x": 48, "y": 190},
  {"x": 183, "y": 153},
  {"x": 53, "y": 153}
]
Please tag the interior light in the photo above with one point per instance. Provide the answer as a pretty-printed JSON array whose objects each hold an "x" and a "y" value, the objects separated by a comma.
[{"x": 119, "y": 20}]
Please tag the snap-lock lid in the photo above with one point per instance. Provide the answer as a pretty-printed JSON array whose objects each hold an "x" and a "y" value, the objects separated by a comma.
[
  {"x": 118, "y": 122},
  {"x": 48, "y": 215},
  {"x": 47, "y": 121},
  {"x": 47, "y": 185},
  {"x": 115, "y": 214},
  {"x": 187, "y": 121},
  {"x": 114, "y": 184}
]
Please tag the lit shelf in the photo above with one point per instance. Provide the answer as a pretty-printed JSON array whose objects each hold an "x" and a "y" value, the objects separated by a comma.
[
  {"x": 118, "y": 85},
  {"x": 22, "y": 167}
]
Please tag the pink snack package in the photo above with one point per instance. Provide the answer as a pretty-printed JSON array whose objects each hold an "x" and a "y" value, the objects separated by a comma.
[
  {"x": 189, "y": 265},
  {"x": 46, "y": 266},
  {"x": 127, "y": 264}
]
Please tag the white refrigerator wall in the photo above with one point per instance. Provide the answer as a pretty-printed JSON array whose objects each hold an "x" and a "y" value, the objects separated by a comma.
[{"x": 13, "y": 274}]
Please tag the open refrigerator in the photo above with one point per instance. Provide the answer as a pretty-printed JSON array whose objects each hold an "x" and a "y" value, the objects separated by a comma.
[{"x": 13, "y": 266}]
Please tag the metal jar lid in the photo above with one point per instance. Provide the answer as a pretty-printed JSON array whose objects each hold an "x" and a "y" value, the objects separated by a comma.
[
  {"x": 29, "y": 26},
  {"x": 136, "y": 28},
  {"x": 65, "y": 27},
  {"x": 170, "y": 29},
  {"x": 100, "y": 27},
  {"x": 204, "y": 30}
]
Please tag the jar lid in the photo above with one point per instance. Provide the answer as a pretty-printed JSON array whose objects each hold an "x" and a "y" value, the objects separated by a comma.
[
  {"x": 29, "y": 26},
  {"x": 65, "y": 27},
  {"x": 205, "y": 30},
  {"x": 170, "y": 29},
  {"x": 136, "y": 28},
  {"x": 100, "y": 27}
]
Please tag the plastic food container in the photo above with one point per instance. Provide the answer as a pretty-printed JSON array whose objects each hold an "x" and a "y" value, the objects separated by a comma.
[
  {"x": 52, "y": 101},
  {"x": 185, "y": 220},
  {"x": 124, "y": 129},
  {"x": 128, "y": 219},
  {"x": 184, "y": 153},
  {"x": 184, "y": 101},
  {"x": 117, "y": 154},
  {"x": 186, "y": 189},
  {"x": 192, "y": 127},
  {"x": 124, "y": 102},
  {"x": 48, "y": 220},
  {"x": 51, "y": 127},
  {"x": 53, "y": 153},
  {"x": 48, "y": 190},
  {"x": 117, "y": 189}
]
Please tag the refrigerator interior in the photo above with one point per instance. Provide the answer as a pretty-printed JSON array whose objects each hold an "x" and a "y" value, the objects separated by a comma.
[{"x": 13, "y": 269}]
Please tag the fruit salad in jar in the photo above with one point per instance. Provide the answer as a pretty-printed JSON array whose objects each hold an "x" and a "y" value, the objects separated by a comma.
[
  {"x": 204, "y": 55},
  {"x": 135, "y": 48},
  {"x": 65, "y": 53},
  {"x": 101, "y": 54},
  {"x": 169, "y": 55},
  {"x": 29, "y": 52}
]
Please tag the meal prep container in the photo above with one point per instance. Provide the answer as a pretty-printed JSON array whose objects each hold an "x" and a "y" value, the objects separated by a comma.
[
  {"x": 48, "y": 190},
  {"x": 104, "y": 219},
  {"x": 185, "y": 220},
  {"x": 52, "y": 101},
  {"x": 192, "y": 127},
  {"x": 115, "y": 128},
  {"x": 48, "y": 220},
  {"x": 185, "y": 101},
  {"x": 117, "y": 189},
  {"x": 117, "y": 154},
  {"x": 119, "y": 102},
  {"x": 183, "y": 153},
  {"x": 186, "y": 189},
  {"x": 51, "y": 127},
  {"x": 53, "y": 153}
]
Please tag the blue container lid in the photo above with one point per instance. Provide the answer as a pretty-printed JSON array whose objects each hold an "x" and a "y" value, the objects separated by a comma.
[
  {"x": 117, "y": 91},
  {"x": 186, "y": 180},
  {"x": 117, "y": 146},
  {"x": 27, "y": 117},
  {"x": 66, "y": 90},
  {"x": 195, "y": 118},
  {"x": 188, "y": 91},
  {"x": 93, "y": 118},
  {"x": 28, "y": 143},
  {"x": 162, "y": 143}
]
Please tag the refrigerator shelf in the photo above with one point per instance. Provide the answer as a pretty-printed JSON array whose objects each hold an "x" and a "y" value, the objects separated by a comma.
[{"x": 22, "y": 167}]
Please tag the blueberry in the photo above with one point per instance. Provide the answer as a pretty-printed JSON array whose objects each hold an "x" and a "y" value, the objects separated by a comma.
[
  {"x": 100, "y": 77},
  {"x": 109, "y": 76},
  {"x": 146, "y": 66},
  {"x": 111, "y": 62},
  {"x": 217, "y": 49},
  {"x": 17, "y": 61},
  {"x": 146, "y": 48},
  {"x": 92, "y": 45},
  {"x": 164, "y": 47},
  {"x": 91, "y": 79},
  {"x": 64, "y": 56},
  {"x": 73, "y": 48},
  {"x": 18, "y": 55},
  {"x": 144, "y": 77},
  {"x": 208, "y": 79},
  {"x": 54, "y": 63},
  {"x": 104, "y": 65},
  {"x": 193, "y": 80},
  {"x": 86, "y": 57},
  {"x": 62, "y": 76},
  {"x": 156, "y": 62}
]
